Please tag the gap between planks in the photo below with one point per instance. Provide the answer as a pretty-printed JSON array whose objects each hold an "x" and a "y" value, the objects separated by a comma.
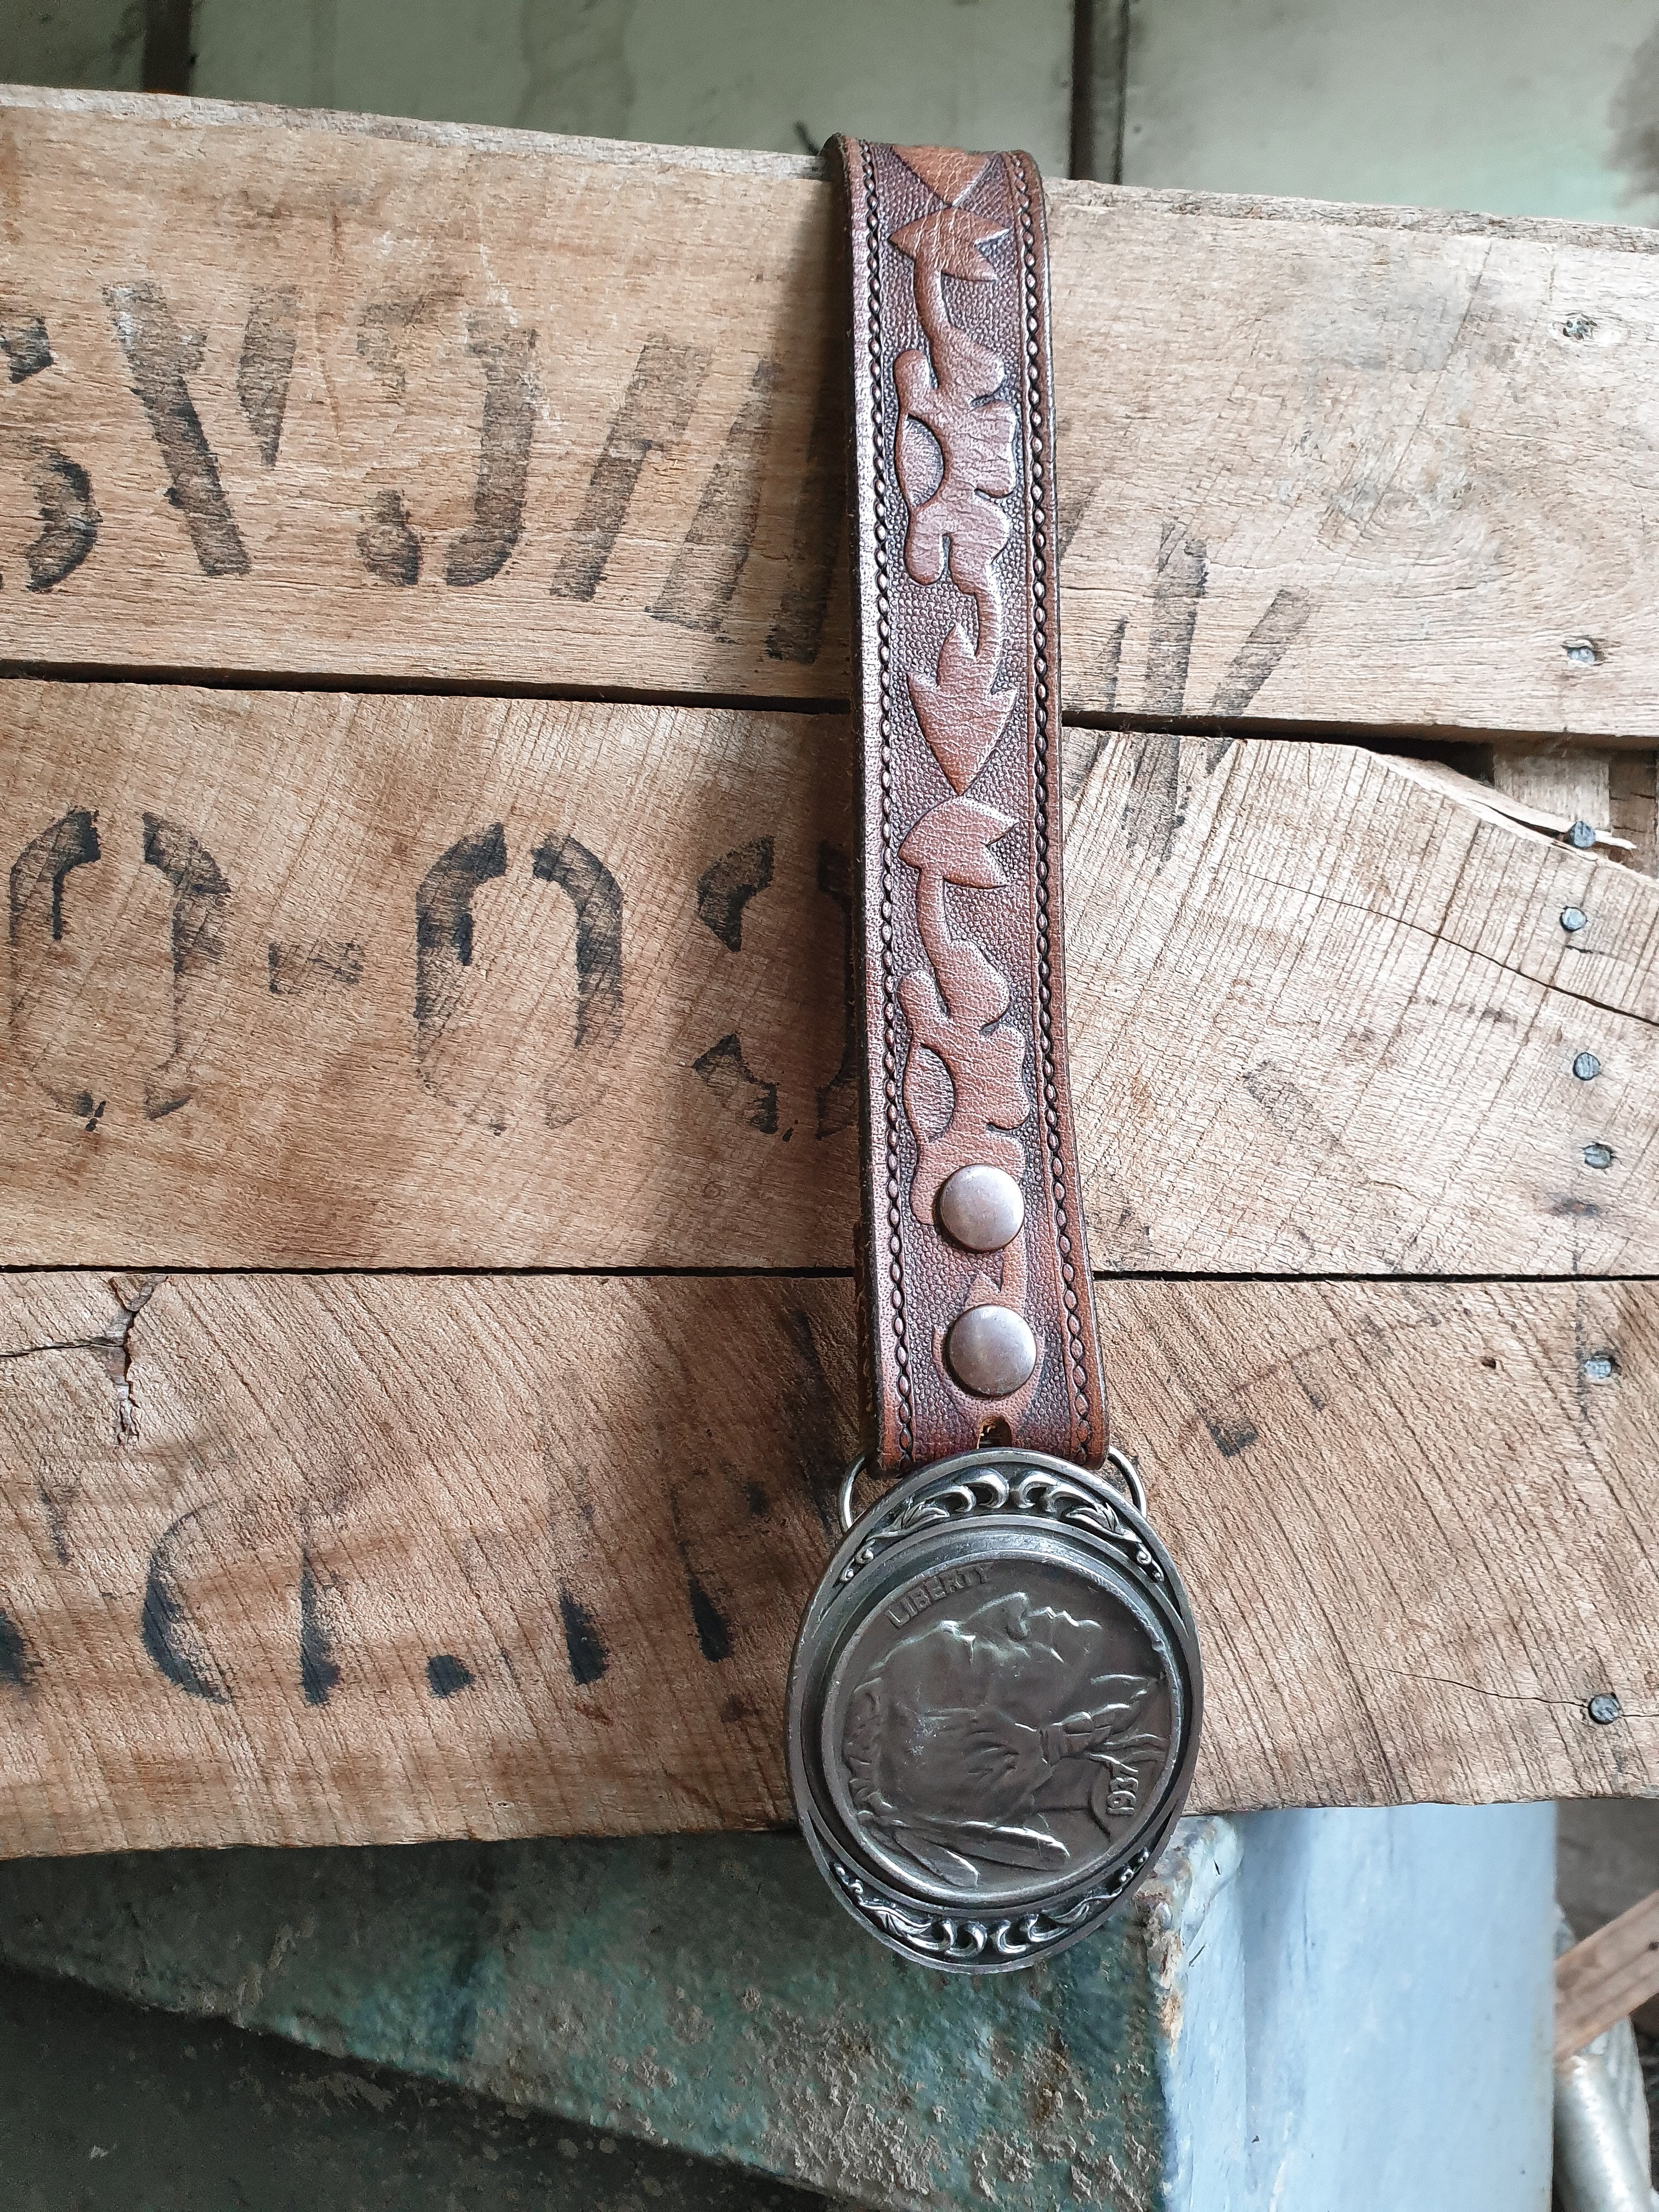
[{"x": 1376, "y": 736}]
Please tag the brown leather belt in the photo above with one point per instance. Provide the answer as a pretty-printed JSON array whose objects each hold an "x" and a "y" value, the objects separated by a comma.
[
  {"x": 988, "y": 1332},
  {"x": 994, "y": 1701}
]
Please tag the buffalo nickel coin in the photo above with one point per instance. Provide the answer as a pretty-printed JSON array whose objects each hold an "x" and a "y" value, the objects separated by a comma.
[{"x": 994, "y": 1710}]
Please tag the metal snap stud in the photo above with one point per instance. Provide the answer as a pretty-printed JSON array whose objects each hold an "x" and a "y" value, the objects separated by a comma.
[
  {"x": 983, "y": 1208},
  {"x": 991, "y": 1350}
]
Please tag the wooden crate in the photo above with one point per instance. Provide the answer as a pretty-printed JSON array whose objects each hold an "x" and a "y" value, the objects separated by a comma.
[{"x": 428, "y": 1115}]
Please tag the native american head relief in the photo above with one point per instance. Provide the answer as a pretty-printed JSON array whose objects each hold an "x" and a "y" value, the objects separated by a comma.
[{"x": 996, "y": 1741}]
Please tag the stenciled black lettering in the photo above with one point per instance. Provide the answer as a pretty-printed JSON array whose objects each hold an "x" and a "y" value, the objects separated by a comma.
[
  {"x": 69, "y": 520},
  {"x": 388, "y": 544},
  {"x": 506, "y": 352},
  {"x": 1262, "y": 651},
  {"x": 739, "y": 1089},
  {"x": 171, "y": 1639},
  {"x": 443, "y": 936},
  {"x": 24, "y": 343},
  {"x": 703, "y": 579},
  {"x": 724, "y": 890},
  {"x": 820, "y": 511},
  {"x": 584, "y": 1646},
  {"x": 36, "y": 922},
  {"x": 596, "y": 896},
  {"x": 653, "y": 415},
  {"x": 293, "y": 971},
  {"x": 1154, "y": 807},
  {"x": 201, "y": 899},
  {"x": 319, "y": 1675},
  {"x": 446, "y": 1676},
  {"x": 18, "y": 1665},
  {"x": 727, "y": 885},
  {"x": 713, "y": 1631},
  {"x": 265, "y": 365},
  {"x": 160, "y": 359}
]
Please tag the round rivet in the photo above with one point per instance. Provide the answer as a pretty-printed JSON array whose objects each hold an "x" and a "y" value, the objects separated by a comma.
[
  {"x": 1604, "y": 1709},
  {"x": 1582, "y": 834},
  {"x": 991, "y": 1350},
  {"x": 1598, "y": 1156},
  {"x": 983, "y": 1208},
  {"x": 1573, "y": 918},
  {"x": 1587, "y": 1068}
]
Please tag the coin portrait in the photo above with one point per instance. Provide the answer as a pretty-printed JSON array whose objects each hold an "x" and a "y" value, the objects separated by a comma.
[
  {"x": 997, "y": 1726},
  {"x": 995, "y": 1706}
]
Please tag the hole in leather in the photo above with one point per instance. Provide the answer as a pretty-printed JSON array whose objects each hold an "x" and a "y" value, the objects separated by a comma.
[{"x": 996, "y": 1432}]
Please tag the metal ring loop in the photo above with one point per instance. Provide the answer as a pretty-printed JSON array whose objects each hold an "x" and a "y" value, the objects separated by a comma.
[
  {"x": 1130, "y": 1474},
  {"x": 848, "y": 1483},
  {"x": 1127, "y": 1472}
]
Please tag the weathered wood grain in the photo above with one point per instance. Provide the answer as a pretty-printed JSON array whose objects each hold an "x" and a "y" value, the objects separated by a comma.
[
  {"x": 1612, "y": 791},
  {"x": 1633, "y": 799},
  {"x": 1572, "y": 784},
  {"x": 342, "y": 1558},
  {"x": 1324, "y": 1017},
  {"x": 1607, "y": 1977},
  {"x": 420, "y": 403}
]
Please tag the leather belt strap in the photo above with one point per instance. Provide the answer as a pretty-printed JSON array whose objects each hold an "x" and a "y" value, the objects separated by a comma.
[{"x": 978, "y": 1323}]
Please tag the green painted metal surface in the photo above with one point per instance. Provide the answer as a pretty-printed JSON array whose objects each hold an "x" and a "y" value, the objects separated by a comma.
[
  {"x": 106, "y": 2108},
  {"x": 702, "y": 1992}
]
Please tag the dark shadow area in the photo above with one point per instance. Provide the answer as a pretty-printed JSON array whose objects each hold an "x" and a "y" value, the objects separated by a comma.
[{"x": 108, "y": 2106}]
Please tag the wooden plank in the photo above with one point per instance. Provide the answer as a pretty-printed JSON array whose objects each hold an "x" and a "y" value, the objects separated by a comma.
[
  {"x": 420, "y": 403},
  {"x": 1633, "y": 796},
  {"x": 342, "y": 1558},
  {"x": 1324, "y": 1017},
  {"x": 1612, "y": 791},
  {"x": 1571, "y": 785},
  {"x": 1607, "y": 1977}
]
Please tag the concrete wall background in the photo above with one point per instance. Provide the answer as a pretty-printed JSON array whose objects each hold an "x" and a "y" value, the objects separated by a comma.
[
  {"x": 1512, "y": 106},
  {"x": 776, "y": 74},
  {"x": 95, "y": 43}
]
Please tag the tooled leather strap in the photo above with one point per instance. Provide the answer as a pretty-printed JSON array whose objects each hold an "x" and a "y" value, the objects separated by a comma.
[{"x": 985, "y": 1334}]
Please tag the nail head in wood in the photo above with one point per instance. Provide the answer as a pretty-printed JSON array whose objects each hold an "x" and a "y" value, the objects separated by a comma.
[
  {"x": 991, "y": 1350},
  {"x": 983, "y": 1208}
]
